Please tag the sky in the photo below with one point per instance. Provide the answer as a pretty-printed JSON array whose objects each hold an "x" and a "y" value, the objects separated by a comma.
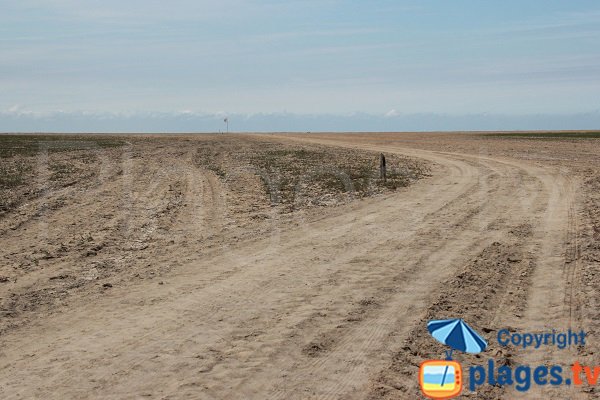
[{"x": 182, "y": 65}]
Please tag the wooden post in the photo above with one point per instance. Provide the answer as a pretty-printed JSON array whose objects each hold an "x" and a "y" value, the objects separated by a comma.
[{"x": 382, "y": 174}]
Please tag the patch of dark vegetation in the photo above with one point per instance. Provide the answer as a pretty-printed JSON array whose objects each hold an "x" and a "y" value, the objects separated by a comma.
[
  {"x": 14, "y": 173},
  {"x": 546, "y": 135},
  {"x": 322, "y": 171},
  {"x": 31, "y": 145},
  {"x": 31, "y": 164},
  {"x": 61, "y": 171},
  {"x": 298, "y": 175},
  {"x": 210, "y": 157}
]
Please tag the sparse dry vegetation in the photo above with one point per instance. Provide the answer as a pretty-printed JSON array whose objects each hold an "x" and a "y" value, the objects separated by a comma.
[
  {"x": 295, "y": 176},
  {"x": 31, "y": 145},
  {"x": 32, "y": 164}
]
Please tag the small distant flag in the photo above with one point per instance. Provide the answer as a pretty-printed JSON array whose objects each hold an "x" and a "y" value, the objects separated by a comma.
[{"x": 226, "y": 120}]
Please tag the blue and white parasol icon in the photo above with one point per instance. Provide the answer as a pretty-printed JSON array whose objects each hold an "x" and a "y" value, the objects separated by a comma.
[{"x": 458, "y": 335}]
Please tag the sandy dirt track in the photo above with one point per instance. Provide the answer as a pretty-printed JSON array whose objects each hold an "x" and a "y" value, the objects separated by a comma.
[{"x": 329, "y": 305}]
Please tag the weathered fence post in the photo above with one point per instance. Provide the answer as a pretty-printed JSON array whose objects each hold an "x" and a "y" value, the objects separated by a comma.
[{"x": 382, "y": 174}]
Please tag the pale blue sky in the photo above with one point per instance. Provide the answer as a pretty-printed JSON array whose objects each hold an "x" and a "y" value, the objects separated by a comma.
[{"x": 394, "y": 58}]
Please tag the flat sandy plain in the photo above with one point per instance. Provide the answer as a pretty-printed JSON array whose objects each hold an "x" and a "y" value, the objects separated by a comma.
[{"x": 195, "y": 266}]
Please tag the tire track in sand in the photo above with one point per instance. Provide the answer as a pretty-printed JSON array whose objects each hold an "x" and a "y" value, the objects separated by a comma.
[
  {"x": 154, "y": 340},
  {"x": 253, "y": 272}
]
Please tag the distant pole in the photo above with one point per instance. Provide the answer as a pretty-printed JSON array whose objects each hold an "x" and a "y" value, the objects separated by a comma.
[
  {"x": 382, "y": 169},
  {"x": 226, "y": 120}
]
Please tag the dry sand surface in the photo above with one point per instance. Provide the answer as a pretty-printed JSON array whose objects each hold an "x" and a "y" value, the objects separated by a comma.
[{"x": 281, "y": 267}]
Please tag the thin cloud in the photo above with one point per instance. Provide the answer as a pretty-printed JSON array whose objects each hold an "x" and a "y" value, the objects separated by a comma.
[{"x": 303, "y": 56}]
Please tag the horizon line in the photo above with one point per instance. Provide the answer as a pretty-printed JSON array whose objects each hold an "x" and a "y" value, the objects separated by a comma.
[{"x": 297, "y": 132}]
